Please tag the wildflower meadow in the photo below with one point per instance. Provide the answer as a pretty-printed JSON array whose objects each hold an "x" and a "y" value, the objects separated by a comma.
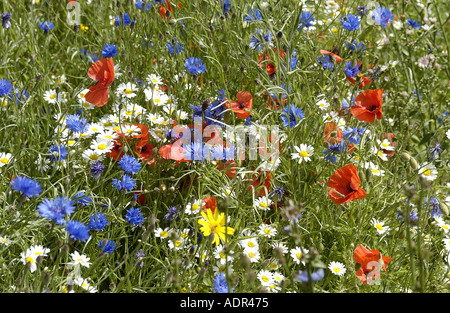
[{"x": 224, "y": 146}]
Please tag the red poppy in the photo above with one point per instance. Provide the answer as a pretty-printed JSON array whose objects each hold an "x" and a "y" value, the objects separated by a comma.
[
  {"x": 368, "y": 104},
  {"x": 363, "y": 80},
  {"x": 333, "y": 134},
  {"x": 270, "y": 67},
  {"x": 209, "y": 203},
  {"x": 366, "y": 259},
  {"x": 172, "y": 152},
  {"x": 261, "y": 183},
  {"x": 103, "y": 72},
  {"x": 243, "y": 106},
  {"x": 344, "y": 185},
  {"x": 229, "y": 167},
  {"x": 337, "y": 58}
]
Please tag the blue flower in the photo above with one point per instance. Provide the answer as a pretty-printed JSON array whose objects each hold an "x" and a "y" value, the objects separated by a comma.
[
  {"x": 81, "y": 199},
  {"x": 96, "y": 169},
  {"x": 20, "y": 97},
  {"x": 326, "y": 61},
  {"x": 253, "y": 15},
  {"x": 134, "y": 216},
  {"x": 129, "y": 164},
  {"x": 382, "y": 16},
  {"x": 354, "y": 46},
  {"x": 109, "y": 51},
  {"x": 435, "y": 150},
  {"x": 171, "y": 214},
  {"x": 225, "y": 5},
  {"x": 292, "y": 115},
  {"x": 194, "y": 151},
  {"x": 123, "y": 21},
  {"x": 255, "y": 43},
  {"x": 349, "y": 71},
  {"x": 98, "y": 222},
  {"x": 56, "y": 209},
  {"x": 315, "y": 276},
  {"x": 107, "y": 246},
  {"x": 350, "y": 22},
  {"x": 195, "y": 66},
  {"x": 77, "y": 230},
  {"x": 294, "y": 60},
  {"x": 414, "y": 24},
  {"x": 353, "y": 134},
  {"x": 175, "y": 47},
  {"x": 5, "y": 87},
  {"x": 46, "y": 26},
  {"x": 6, "y": 23},
  {"x": 220, "y": 284},
  {"x": 58, "y": 153},
  {"x": 306, "y": 20},
  {"x": 76, "y": 123},
  {"x": 433, "y": 203},
  {"x": 27, "y": 186},
  {"x": 126, "y": 183}
]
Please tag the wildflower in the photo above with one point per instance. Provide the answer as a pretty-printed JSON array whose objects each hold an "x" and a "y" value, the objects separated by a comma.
[
  {"x": 249, "y": 243},
  {"x": 129, "y": 164},
  {"x": 127, "y": 90},
  {"x": 220, "y": 284},
  {"x": 6, "y": 23},
  {"x": 125, "y": 20},
  {"x": 4, "y": 240},
  {"x": 434, "y": 204},
  {"x": 414, "y": 24},
  {"x": 194, "y": 208},
  {"x": 252, "y": 254},
  {"x": 78, "y": 258},
  {"x": 267, "y": 230},
  {"x": 297, "y": 254},
  {"x": 58, "y": 153},
  {"x": 175, "y": 47},
  {"x": 353, "y": 134},
  {"x": 326, "y": 62},
  {"x": 171, "y": 214},
  {"x": 266, "y": 278},
  {"x": 355, "y": 47},
  {"x": 337, "y": 268},
  {"x": 195, "y": 66},
  {"x": 368, "y": 259},
  {"x": 350, "y": 22},
  {"x": 27, "y": 186},
  {"x": 382, "y": 16},
  {"x": 322, "y": 104},
  {"x": 262, "y": 203},
  {"x": 306, "y": 20},
  {"x": 291, "y": 116},
  {"x": 344, "y": 185},
  {"x": 109, "y": 51},
  {"x": 214, "y": 224},
  {"x": 127, "y": 183},
  {"x": 380, "y": 227},
  {"x": 351, "y": 71},
  {"x": 428, "y": 171},
  {"x": 76, "y": 123},
  {"x": 96, "y": 169},
  {"x": 315, "y": 276},
  {"x": 46, "y": 26},
  {"x": 97, "y": 222},
  {"x": 31, "y": 254},
  {"x": 374, "y": 169},
  {"x": 243, "y": 106},
  {"x": 134, "y": 216},
  {"x": 107, "y": 246},
  {"x": 5, "y": 87},
  {"x": 162, "y": 233},
  {"x": 77, "y": 230},
  {"x": 56, "y": 209},
  {"x": 304, "y": 153},
  {"x": 278, "y": 191},
  {"x": 435, "y": 150},
  {"x": 103, "y": 72},
  {"x": 101, "y": 146},
  {"x": 439, "y": 221},
  {"x": 253, "y": 15},
  {"x": 368, "y": 105},
  {"x": 83, "y": 283}
]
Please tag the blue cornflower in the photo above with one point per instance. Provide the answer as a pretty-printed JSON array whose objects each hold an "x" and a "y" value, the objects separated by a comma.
[
  {"x": 255, "y": 43},
  {"x": 414, "y": 24},
  {"x": 139, "y": 4},
  {"x": 98, "y": 222},
  {"x": 197, "y": 110},
  {"x": 175, "y": 47},
  {"x": 214, "y": 112},
  {"x": 355, "y": 47},
  {"x": 435, "y": 150},
  {"x": 279, "y": 192},
  {"x": 58, "y": 153},
  {"x": 194, "y": 151},
  {"x": 335, "y": 149},
  {"x": 81, "y": 199},
  {"x": 107, "y": 246},
  {"x": 195, "y": 66},
  {"x": 96, "y": 169},
  {"x": 353, "y": 134},
  {"x": 382, "y": 16},
  {"x": 129, "y": 164},
  {"x": 434, "y": 204},
  {"x": 5, "y": 87},
  {"x": 346, "y": 105},
  {"x": 294, "y": 60},
  {"x": 443, "y": 117},
  {"x": 123, "y": 21},
  {"x": 6, "y": 23},
  {"x": 109, "y": 51},
  {"x": 56, "y": 209},
  {"x": 315, "y": 276},
  {"x": 351, "y": 71},
  {"x": 292, "y": 115},
  {"x": 20, "y": 97},
  {"x": 220, "y": 284},
  {"x": 326, "y": 61},
  {"x": 126, "y": 183},
  {"x": 419, "y": 95},
  {"x": 27, "y": 186},
  {"x": 306, "y": 20},
  {"x": 350, "y": 22},
  {"x": 76, "y": 123},
  {"x": 253, "y": 15},
  {"x": 46, "y": 26},
  {"x": 362, "y": 10},
  {"x": 171, "y": 214},
  {"x": 77, "y": 230},
  {"x": 134, "y": 216},
  {"x": 225, "y": 5}
]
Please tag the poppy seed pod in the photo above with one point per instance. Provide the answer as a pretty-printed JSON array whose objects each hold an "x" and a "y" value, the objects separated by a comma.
[
  {"x": 444, "y": 208},
  {"x": 413, "y": 163},
  {"x": 405, "y": 157}
]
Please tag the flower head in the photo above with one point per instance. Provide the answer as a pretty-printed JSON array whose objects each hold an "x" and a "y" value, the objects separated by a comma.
[
  {"x": 382, "y": 16},
  {"x": 344, "y": 185},
  {"x": 97, "y": 222},
  {"x": 214, "y": 224},
  {"x": 134, "y": 216},
  {"x": 292, "y": 115},
  {"x": 109, "y": 51},
  {"x": 350, "y": 22},
  {"x": 56, "y": 209},
  {"x": 5, "y": 87},
  {"x": 220, "y": 284},
  {"x": 129, "y": 164},
  {"x": 195, "y": 66},
  {"x": 27, "y": 186},
  {"x": 368, "y": 105},
  {"x": 77, "y": 230}
]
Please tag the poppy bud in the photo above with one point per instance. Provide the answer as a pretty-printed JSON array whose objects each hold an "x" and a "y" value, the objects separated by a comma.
[
  {"x": 227, "y": 15},
  {"x": 405, "y": 157},
  {"x": 46, "y": 278},
  {"x": 222, "y": 17},
  {"x": 444, "y": 208},
  {"x": 413, "y": 163}
]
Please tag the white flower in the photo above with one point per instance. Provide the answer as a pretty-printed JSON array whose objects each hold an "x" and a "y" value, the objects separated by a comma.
[
  {"x": 252, "y": 254},
  {"x": 448, "y": 134},
  {"x": 297, "y": 253},
  {"x": 281, "y": 246},
  {"x": 41, "y": 163},
  {"x": 304, "y": 153},
  {"x": 4, "y": 241},
  {"x": 5, "y": 158},
  {"x": 337, "y": 268},
  {"x": 442, "y": 224},
  {"x": 92, "y": 156},
  {"x": 267, "y": 230},
  {"x": 380, "y": 227},
  {"x": 266, "y": 278},
  {"x": 447, "y": 243},
  {"x": 177, "y": 244},
  {"x": 249, "y": 243},
  {"x": 223, "y": 256},
  {"x": 262, "y": 203},
  {"x": 322, "y": 104},
  {"x": 428, "y": 171},
  {"x": 385, "y": 145},
  {"x": 81, "y": 259},
  {"x": 83, "y": 283},
  {"x": 162, "y": 233},
  {"x": 127, "y": 90},
  {"x": 374, "y": 169},
  {"x": 194, "y": 208},
  {"x": 52, "y": 97},
  {"x": 154, "y": 79},
  {"x": 101, "y": 146}
]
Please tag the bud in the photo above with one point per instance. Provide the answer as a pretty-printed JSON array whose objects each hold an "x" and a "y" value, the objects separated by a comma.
[
  {"x": 405, "y": 157},
  {"x": 413, "y": 163},
  {"x": 444, "y": 208},
  {"x": 46, "y": 278}
]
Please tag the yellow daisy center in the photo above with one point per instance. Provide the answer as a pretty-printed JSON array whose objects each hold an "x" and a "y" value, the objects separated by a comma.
[
  {"x": 337, "y": 270},
  {"x": 379, "y": 227},
  {"x": 30, "y": 259},
  {"x": 265, "y": 279},
  {"x": 93, "y": 157},
  {"x": 303, "y": 154},
  {"x": 52, "y": 96},
  {"x": 4, "y": 160},
  {"x": 127, "y": 91},
  {"x": 102, "y": 146},
  {"x": 426, "y": 172},
  {"x": 263, "y": 205},
  {"x": 298, "y": 255}
]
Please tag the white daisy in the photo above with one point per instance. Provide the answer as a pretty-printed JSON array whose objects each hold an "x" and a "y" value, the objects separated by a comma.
[
  {"x": 442, "y": 224},
  {"x": 380, "y": 227},
  {"x": 4, "y": 240},
  {"x": 127, "y": 90},
  {"x": 154, "y": 79},
  {"x": 91, "y": 156},
  {"x": 162, "y": 233},
  {"x": 81, "y": 259},
  {"x": 304, "y": 153},
  {"x": 297, "y": 253},
  {"x": 267, "y": 230},
  {"x": 322, "y": 104},
  {"x": 385, "y": 145},
  {"x": 337, "y": 268},
  {"x": 101, "y": 146},
  {"x": 52, "y": 97},
  {"x": 428, "y": 171},
  {"x": 374, "y": 169},
  {"x": 5, "y": 158},
  {"x": 266, "y": 278},
  {"x": 262, "y": 203},
  {"x": 224, "y": 257},
  {"x": 252, "y": 254},
  {"x": 249, "y": 243},
  {"x": 194, "y": 208}
]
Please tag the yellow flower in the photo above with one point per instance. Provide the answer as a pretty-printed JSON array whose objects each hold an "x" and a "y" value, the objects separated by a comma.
[{"x": 214, "y": 224}]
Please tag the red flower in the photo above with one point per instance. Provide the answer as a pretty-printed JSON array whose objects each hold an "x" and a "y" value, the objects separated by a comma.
[
  {"x": 261, "y": 181},
  {"x": 368, "y": 104},
  {"x": 368, "y": 259},
  {"x": 363, "y": 79},
  {"x": 332, "y": 133},
  {"x": 337, "y": 58},
  {"x": 243, "y": 106},
  {"x": 270, "y": 67},
  {"x": 209, "y": 203},
  {"x": 229, "y": 167},
  {"x": 344, "y": 185},
  {"x": 103, "y": 72}
]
